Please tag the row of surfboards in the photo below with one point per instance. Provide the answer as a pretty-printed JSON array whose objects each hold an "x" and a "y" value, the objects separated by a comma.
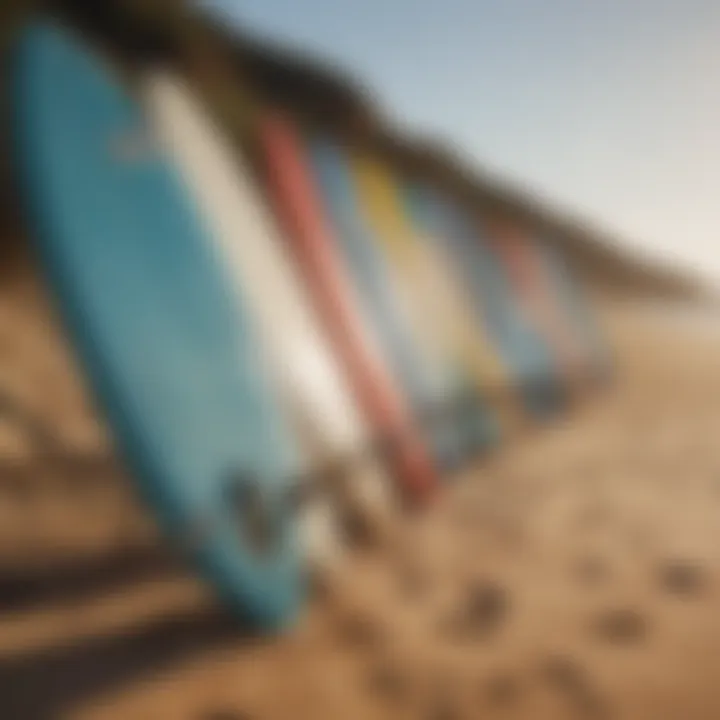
[{"x": 276, "y": 345}]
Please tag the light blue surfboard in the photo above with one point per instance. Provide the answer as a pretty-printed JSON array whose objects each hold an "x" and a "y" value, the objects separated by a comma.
[{"x": 169, "y": 351}]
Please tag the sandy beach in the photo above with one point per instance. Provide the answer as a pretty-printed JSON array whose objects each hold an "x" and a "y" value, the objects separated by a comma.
[{"x": 574, "y": 574}]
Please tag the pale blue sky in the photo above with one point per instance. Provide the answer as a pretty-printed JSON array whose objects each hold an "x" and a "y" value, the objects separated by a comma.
[{"x": 610, "y": 108}]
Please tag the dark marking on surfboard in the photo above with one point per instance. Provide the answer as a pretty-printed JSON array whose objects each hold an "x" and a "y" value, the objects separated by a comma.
[
  {"x": 195, "y": 535},
  {"x": 254, "y": 521}
]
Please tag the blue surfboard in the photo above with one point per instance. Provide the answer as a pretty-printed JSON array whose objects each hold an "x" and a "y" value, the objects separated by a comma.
[
  {"x": 577, "y": 309},
  {"x": 169, "y": 351},
  {"x": 380, "y": 302},
  {"x": 524, "y": 351}
]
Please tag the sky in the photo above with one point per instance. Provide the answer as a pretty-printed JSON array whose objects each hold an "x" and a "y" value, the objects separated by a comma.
[{"x": 609, "y": 109}]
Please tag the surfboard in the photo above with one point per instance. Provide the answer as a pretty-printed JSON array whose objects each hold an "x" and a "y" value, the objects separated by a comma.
[
  {"x": 576, "y": 309},
  {"x": 388, "y": 309},
  {"x": 533, "y": 295},
  {"x": 461, "y": 329},
  {"x": 249, "y": 243},
  {"x": 523, "y": 349},
  {"x": 300, "y": 210},
  {"x": 434, "y": 313},
  {"x": 170, "y": 353}
]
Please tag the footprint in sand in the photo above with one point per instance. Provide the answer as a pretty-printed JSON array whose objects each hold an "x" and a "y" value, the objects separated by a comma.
[
  {"x": 443, "y": 703},
  {"x": 591, "y": 569},
  {"x": 481, "y": 613},
  {"x": 682, "y": 578},
  {"x": 225, "y": 714},
  {"x": 621, "y": 626},
  {"x": 412, "y": 581},
  {"x": 443, "y": 708},
  {"x": 360, "y": 632},
  {"x": 387, "y": 681},
  {"x": 593, "y": 515},
  {"x": 502, "y": 690},
  {"x": 571, "y": 680}
]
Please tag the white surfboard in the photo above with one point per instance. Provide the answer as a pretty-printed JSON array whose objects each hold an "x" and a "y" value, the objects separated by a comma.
[{"x": 252, "y": 249}]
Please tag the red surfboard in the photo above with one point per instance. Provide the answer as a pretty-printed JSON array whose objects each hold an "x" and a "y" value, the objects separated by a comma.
[{"x": 299, "y": 209}]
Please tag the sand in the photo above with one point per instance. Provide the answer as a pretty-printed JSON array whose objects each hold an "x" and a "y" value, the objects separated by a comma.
[{"x": 574, "y": 574}]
